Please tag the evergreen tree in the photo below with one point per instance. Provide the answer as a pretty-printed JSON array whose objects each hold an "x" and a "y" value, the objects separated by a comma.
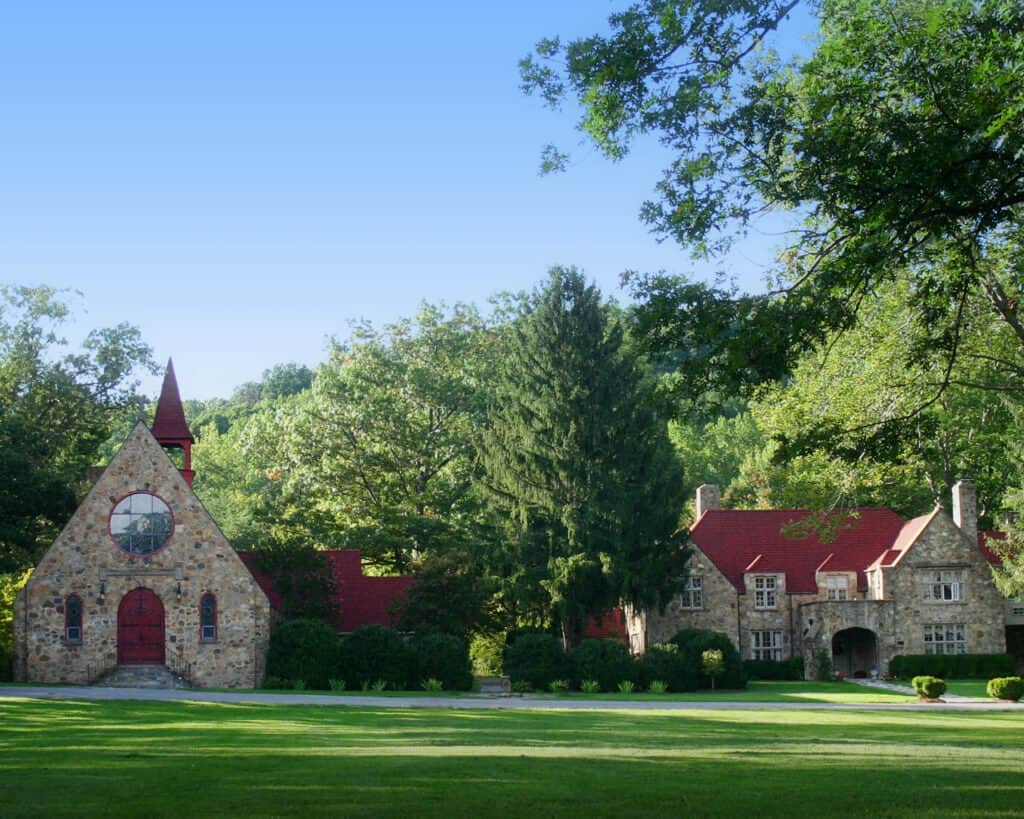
[{"x": 578, "y": 463}]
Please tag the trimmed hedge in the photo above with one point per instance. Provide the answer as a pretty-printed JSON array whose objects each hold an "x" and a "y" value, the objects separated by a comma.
[
  {"x": 6, "y": 665},
  {"x": 605, "y": 661},
  {"x": 665, "y": 662},
  {"x": 303, "y": 650},
  {"x": 694, "y": 642},
  {"x": 928, "y": 686},
  {"x": 1006, "y": 688},
  {"x": 443, "y": 657},
  {"x": 373, "y": 653},
  {"x": 535, "y": 660},
  {"x": 952, "y": 666},
  {"x": 791, "y": 669}
]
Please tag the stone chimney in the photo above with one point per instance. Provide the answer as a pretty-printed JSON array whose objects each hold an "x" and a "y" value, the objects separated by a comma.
[
  {"x": 965, "y": 508},
  {"x": 708, "y": 497}
]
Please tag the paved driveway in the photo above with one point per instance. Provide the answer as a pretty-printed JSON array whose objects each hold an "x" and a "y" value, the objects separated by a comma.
[{"x": 477, "y": 701}]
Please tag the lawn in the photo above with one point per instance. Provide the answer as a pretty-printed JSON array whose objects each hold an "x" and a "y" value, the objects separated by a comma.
[{"x": 199, "y": 760}]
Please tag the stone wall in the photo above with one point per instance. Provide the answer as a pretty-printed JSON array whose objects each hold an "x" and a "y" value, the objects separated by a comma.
[{"x": 87, "y": 562}]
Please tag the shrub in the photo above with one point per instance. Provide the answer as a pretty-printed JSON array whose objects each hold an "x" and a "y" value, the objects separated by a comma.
[
  {"x": 791, "y": 669},
  {"x": 536, "y": 659},
  {"x": 379, "y": 685},
  {"x": 590, "y": 686},
  {"x": 336, "y": 684},
  {"x": 521, "y": 687},
  {"x": 665, "y": 662},
  {"x": 444, "y": 657},
  {"x": 952, "y": 666},
  {"x": 694, "y": 642},
  {"x": 558, "y": 686},
  {"x": 627, "y": 687},
  {"x": 485, "y": 652},
  {"x": 432, "y": 684},
  {"x": 305, "y": 650},
  {"x": 374, "y": 653},
  {"x": 658, "y": 687},
  {"x": 277, "y": 683},
  {"x": 823, "y": 665},
  {"x": 928, "y": 686},
  {"x": 6, "y": 665},
  {"x": 1006, "y": 688},
  {"x": 606, "y": 661}
]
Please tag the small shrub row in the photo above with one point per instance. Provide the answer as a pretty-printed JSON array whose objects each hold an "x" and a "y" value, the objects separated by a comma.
[
  {"x": 371, "y": 658},
  {"x": 535, "y": 661},
  {"x": 6, "y": 665},
  {"x": 929, "y": 687},
  {"x": 791, "y": 669},
  {"x": 1006, "y": 688},
  {"x": 952, "y": 666}
]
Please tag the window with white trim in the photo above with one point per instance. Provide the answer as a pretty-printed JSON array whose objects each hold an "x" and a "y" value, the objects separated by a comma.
[
  {"x": 838, "y": 587},
  {"x": 944, "y": 586},
  {"x": 765, "y": 595},
  {"x": 766, "y": 645},
  {"x": 945, "y": 638},
  {"x": 693, "y": 593}
]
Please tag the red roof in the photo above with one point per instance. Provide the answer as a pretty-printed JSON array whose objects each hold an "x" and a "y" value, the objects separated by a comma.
[
  {"x": 362, "y": 600},
  {"x": 169, "y": 425},
  {"x": 983, "y": 547},
  {"x": 739, "y": 540}
]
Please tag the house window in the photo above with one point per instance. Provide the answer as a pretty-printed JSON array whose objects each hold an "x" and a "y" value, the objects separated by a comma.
[
  {"x": 765, "y": 596},
  {"x": 693, "y": 593},
  {"x": 73, "y": 619},
  {"x": 208, "y": 618},
  {"x": 945, "y": 638},
  {"x": 766, "y": 645},
  {"x": 944, "y": 587},
  {"x": 838, "y": 587}
]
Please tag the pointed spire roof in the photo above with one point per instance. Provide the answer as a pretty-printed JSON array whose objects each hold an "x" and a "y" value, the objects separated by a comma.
[{"x": 169, "y": 425}]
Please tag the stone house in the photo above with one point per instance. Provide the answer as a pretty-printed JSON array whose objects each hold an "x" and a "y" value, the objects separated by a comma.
[
  {"x": 880, "y": 587},
  {"x": 141, "y": 575}
]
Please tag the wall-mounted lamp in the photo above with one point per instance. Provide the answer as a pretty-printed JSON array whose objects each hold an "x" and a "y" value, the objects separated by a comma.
[
  {"x": 103, "y": 591},
  {"x": 177, "y": 590}
]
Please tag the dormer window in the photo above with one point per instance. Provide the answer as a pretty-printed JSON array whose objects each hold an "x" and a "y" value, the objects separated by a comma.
[
  {"x": 765, "y": 593},
  {"x": 944, "y": 586},
  {"x": 838, "y": 587}
]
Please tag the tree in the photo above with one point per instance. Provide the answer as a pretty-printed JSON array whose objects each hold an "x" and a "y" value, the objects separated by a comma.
[
  {"x": 57, "y": 407},
  {"x": 577, "y": 464},
  {"x": 380, "y": 453},
  {"x": 896, "y": 147},
  {"x": 712, "y": 664}
]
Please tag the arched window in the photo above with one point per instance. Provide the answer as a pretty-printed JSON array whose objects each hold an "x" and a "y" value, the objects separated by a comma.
[
  {"x": 208, "y": 618},
  {"x": 73, "y": 619}
]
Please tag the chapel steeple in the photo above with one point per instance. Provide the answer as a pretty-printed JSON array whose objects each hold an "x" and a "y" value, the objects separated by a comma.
[{"x": 169, "y": 425}]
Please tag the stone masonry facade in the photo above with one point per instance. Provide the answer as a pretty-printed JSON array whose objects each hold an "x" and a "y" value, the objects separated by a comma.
[
  {"x": 86, "y": 563},
  {"x": 926, "y": 587}
]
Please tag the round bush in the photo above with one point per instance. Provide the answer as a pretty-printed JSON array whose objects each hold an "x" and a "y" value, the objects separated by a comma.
[
  {"x": 605, "y": 661},
  {"x": 485, "y": 652},
  {"x": 374, "y": 653},
  {"x": 1006, "y": 688},
  {"x": 303, "y": 650},
  {"x": 442, "y": 657},
  {"x": 929, "y": 687},
  {"x": 536, "y": 660},
  {"x": 694, "y": 642},
  {"x": 665, "y": 662}
]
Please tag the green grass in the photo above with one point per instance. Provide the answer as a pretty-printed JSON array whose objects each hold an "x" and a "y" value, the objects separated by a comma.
[{"x": 206, "y": 760}]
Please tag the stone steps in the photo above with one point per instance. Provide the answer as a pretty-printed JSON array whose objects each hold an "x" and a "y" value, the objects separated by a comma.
[{"x": 141, "y": 676}]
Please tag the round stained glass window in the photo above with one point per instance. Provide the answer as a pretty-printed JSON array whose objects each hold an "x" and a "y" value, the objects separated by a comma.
[{"x": 141, "y": 523}]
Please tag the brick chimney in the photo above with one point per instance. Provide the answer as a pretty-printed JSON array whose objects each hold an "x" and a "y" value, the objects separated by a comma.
[
  {"x": 708, "y": 497},
  {"x": 965, "y": 508}
]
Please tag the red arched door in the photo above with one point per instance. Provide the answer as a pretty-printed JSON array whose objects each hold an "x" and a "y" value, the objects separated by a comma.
[{"x": 140, "y": 629}]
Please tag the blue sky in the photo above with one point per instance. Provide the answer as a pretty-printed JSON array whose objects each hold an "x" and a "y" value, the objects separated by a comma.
[{"x": 241, "y": 179}]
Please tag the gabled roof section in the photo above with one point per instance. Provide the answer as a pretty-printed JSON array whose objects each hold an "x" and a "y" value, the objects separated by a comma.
[
  {"x": 907, "y": 537},
  {"x": 169, "y": 424},
  {"x": 733, "y": 539}
]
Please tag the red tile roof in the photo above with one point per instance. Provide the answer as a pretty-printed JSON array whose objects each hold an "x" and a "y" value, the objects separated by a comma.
[
  {"x": 739, "y": 540},
  {"x": 169, "y": 425},
  {"x": 362, "y": 600}
]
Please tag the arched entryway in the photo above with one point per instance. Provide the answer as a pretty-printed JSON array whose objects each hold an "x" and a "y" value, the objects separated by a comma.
[
  {"x": 855, "y": 652},
  {"x": 140, "y": 629}
]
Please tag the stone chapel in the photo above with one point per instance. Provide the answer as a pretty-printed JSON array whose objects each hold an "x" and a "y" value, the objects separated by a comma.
[{"x": 141, "y": 575}]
